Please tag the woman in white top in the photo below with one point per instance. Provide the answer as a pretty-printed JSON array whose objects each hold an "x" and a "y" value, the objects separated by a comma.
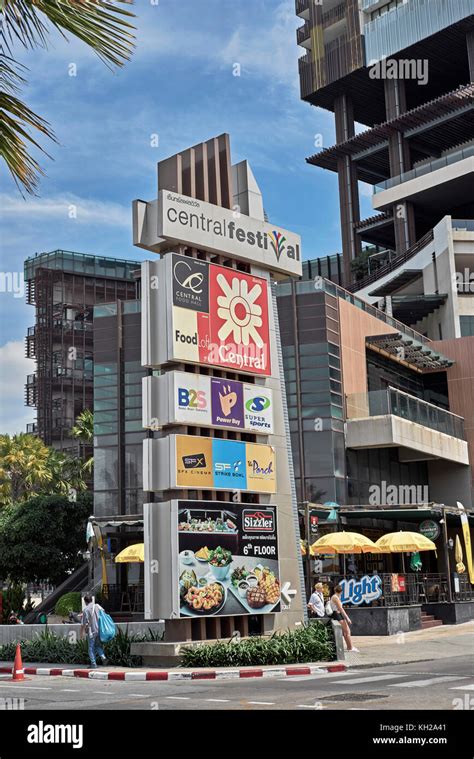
[{"x": 340, "y": 616}]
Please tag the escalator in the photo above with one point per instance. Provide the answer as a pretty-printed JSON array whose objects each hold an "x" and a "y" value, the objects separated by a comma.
[{"x": 76, "y": 582}]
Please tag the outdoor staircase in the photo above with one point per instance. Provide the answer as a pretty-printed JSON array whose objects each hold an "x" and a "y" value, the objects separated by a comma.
[{"x": 429, "y": 620}]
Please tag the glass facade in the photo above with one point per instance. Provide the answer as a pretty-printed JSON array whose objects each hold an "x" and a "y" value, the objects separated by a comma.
[
  {"x": 118, "y": 431},
  {"x": 467, "y": 325},
  {"x": 81, "y": 263},
  {"x": 309, "y": 331},
  {"x": 407, "y": 23}
]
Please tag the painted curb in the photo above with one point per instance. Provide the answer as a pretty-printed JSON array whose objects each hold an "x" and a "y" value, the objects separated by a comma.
[{"x": 175, "y": 675}]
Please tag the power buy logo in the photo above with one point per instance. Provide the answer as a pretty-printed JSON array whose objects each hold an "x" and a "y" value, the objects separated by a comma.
[{"x": 258, "y": 521}]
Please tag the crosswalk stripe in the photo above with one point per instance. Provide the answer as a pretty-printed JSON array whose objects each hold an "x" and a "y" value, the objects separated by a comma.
[
  {"x": 463, "y": 687},
  {"x": 373, "y": 679},
  {"x": 423, "y": 683}
]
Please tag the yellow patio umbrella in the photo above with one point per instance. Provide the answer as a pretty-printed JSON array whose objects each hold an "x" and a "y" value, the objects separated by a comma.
[
  {"x": 343, "y": 542},
  {"x": 131, "y": 554},
  {"x": 460, "y": 568},
  {"x": 303, "y": 549},
  {"x": 405, "y": 542}
]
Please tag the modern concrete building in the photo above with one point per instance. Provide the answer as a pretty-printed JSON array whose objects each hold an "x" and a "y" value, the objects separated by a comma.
[
  {"x": 64, "y": 287},
  {"x": 404, "y": 68}
]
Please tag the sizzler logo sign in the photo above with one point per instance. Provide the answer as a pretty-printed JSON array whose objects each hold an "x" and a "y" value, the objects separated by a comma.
[
  {"x": 259, "y": 521},
  {"x": 221, "y": 230}
]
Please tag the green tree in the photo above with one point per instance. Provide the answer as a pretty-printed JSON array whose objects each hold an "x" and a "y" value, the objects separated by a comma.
[
  {"x": 83, "y": 431},
  {"x": 40, "y": 539},
  {"x": 66, "y": 473},
  {"x": 100, "y": 24},
  {"x": 29, "y": 467},
  {"x": 23, "y": 467}
]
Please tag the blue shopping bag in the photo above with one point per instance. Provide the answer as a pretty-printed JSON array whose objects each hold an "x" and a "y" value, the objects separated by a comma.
[{"x": 107, "y": 629}]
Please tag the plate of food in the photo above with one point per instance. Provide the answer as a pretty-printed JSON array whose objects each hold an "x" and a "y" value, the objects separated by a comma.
[
  {"x": 257, "y": 589},
  {"x": 203, "y": 554},
  {"x": 220, "y": 560},
  {"x": 205, "y": 600}
]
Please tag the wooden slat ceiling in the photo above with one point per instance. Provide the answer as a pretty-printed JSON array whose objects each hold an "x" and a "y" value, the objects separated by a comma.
[{"x": 434, "y": 136}]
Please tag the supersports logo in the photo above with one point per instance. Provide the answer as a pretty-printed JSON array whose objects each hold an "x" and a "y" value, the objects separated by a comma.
[{"x": 259, "y": 521}]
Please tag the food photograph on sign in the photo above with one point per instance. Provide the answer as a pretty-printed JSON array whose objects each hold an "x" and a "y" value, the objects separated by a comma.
[
  {"x": 228, "y": 559},
  {"x": 224, "y": 464},
  {"x": 219, "y": 316}
]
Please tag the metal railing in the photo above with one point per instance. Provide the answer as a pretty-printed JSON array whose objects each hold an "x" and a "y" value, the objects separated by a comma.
[
  {"x": 393, "y": 264},
  {"x": 131, "y": 599},
  {"x": 334, "y": 15},
  {"x": 405, "y": 406},
  {"x": 407, "y": 588},
  {"x": 463, "y": 225},
  {"x": 426, "y": 168},
  {"x": 303, "y": 33},
  {"x": 340, "y": 292}
]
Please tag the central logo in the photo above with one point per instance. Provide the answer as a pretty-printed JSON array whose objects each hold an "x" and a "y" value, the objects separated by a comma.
[
  {"x": 241, "y": 314},
  {"x": 188, "y": 279},
  {"x": 196, "y": 461},
  {"x": 190, "y": 283}
]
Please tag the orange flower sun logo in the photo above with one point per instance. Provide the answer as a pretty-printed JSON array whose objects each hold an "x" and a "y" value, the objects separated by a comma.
[{"x": 241, "y": 315}]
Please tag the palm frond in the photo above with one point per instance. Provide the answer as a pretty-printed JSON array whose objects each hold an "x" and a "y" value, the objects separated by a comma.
[{"x": 101, "y": 25}]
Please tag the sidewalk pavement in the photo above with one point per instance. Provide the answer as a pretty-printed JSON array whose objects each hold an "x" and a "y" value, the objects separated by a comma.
[{"x": 421, "y": 645}]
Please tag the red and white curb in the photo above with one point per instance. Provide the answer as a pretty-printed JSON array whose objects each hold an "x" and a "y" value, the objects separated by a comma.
[{"x": 222, "y": 674}]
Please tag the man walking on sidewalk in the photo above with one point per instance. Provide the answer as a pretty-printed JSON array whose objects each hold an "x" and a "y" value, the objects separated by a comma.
[{"x": 90, "y": 626}]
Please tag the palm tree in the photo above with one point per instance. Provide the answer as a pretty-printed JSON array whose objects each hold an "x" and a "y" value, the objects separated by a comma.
[
  {"x": 83, "y": 431},
  {"x": 23, "y": 467},
  {"x": 101, "y": 25},
  {"x": 67, "y": 474}
]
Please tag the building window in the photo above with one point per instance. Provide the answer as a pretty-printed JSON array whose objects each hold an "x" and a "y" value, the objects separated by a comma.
[{"x": 467, "y": 325}]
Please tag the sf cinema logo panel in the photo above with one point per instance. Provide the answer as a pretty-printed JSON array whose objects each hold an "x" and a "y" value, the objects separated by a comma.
[
  {"x": 217, "y": 316},
  {"x": 186, "y": 461}
]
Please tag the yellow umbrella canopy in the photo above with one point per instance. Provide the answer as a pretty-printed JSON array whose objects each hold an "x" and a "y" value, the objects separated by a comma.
[
  {"x": 343, "y": 542},
  {"x": 303, "y": 549},
  {"x": 460, "y": 568},
  {"x": 405, "y": 542},
  {"x": 131, "y": 554}
]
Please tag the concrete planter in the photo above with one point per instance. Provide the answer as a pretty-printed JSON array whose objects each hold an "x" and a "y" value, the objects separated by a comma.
[{"x": 384, "y": 620}]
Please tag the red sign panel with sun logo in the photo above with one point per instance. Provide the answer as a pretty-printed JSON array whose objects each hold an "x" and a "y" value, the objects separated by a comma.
[{"x": 220, "y": 317}]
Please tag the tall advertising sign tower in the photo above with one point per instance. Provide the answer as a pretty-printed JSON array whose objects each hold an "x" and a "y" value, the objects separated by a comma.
[{"x": 221, "y": 523}]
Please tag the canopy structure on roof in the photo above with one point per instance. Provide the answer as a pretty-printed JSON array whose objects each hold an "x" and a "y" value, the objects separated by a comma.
[{"x": 419, "y": 355}]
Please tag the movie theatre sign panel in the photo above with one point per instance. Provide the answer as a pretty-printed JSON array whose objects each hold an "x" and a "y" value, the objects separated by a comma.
[
  {"x": 203, "y": 401},
  {"x": 227, "y": 232},
  {"x": 213, "y": 315},
  {"x": 185, "y": 461}
]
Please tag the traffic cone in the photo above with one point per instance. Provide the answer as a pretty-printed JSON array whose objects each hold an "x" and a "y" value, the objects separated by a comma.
[{"x": 18, "y": 671}]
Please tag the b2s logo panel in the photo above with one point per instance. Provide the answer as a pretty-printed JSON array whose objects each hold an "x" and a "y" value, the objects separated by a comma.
[{"x": 215, "y": 402}]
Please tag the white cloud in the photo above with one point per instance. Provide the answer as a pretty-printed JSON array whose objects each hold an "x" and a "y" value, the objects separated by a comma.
[
  {"x": 67, "y": 206},
  {"x": 14, "y": 416}
]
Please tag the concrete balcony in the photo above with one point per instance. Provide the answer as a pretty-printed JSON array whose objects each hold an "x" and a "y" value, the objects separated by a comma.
[
  {"x": 390, "y": 418},
  {"x": 429, "y": 183}
]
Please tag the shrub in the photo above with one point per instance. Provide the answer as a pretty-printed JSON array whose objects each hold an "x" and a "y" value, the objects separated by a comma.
[
  {"x": 311, "y": 643},
  {"x": 48, "y": 647},
  {"x": 68, "y": 602}
]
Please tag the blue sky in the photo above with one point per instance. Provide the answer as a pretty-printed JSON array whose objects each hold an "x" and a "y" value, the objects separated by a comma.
[{"x": 179, "y": 85}]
